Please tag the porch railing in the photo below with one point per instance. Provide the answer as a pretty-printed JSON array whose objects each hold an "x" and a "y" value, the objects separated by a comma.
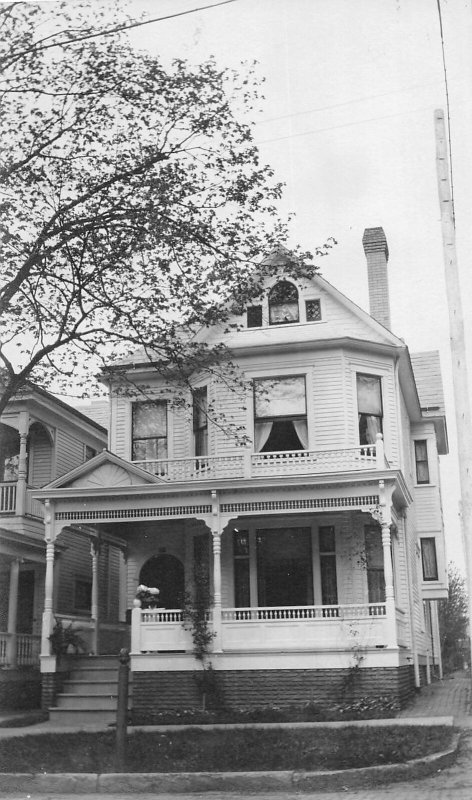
[
  {"x": 26, "y": 645},
  {"x": 7, "y": 498},
  {"x": 271, "y": 613},
  {"x": 254, "y": 465}
]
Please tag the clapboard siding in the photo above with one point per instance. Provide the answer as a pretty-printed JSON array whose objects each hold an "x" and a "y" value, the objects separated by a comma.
[
  {"x": 40, "y": 458},
  {"x": 328, "y": 403},
  {"x": 69, "y": 452}
]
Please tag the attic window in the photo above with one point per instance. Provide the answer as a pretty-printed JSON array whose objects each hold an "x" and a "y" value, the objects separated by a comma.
[
  {"x": 313, "y": 310},
  {"x": 283, "y": 303},
  {"x": 254, "y": 317}
]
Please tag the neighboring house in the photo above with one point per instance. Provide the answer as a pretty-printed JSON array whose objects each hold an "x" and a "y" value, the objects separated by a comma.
[
  {"x": 41, "y": 438},
  {"x": 322, "y": 538}
]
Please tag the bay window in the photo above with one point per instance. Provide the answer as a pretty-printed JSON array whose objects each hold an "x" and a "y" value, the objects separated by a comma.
[
  {"x": 280, "y": 417},
  {"x": 369, "y": 407}
]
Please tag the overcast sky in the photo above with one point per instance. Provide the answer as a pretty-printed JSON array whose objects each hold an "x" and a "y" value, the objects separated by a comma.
[{"x": 351, "y": 88}]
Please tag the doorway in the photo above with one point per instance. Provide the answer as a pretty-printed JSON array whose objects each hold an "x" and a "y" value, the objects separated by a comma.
[{"x": 166, "y": 573}]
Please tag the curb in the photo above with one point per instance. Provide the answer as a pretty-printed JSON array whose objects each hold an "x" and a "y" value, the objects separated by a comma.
[{"x": 179, "y": 782}]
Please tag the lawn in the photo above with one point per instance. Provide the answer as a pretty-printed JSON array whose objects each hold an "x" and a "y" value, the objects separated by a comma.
[{"x": 197, "y": 750}]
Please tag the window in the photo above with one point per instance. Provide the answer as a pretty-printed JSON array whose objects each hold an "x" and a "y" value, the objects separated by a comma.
[
  {"x": 283, "y": 303},
  {"x": 89, "y": 452},
  {"x": 284, "y": 567},
  {"x": 329, "y": 585},
  {"x": 374, "y": 565},
  {"x": 369, "y": 407},
  {"x": 421, "y": 460},
  {"x": 149, "y": 431},
  {"x": 242, "y": 594},
  {"x": 200, "y": 421},
  {"x": 254, "y": 317},
  {"x": 82, "y": 595},
  {"x": 428, "y": 559},
  {"x": 313, "y": 310},
  {"x": 280, "y": 421}
]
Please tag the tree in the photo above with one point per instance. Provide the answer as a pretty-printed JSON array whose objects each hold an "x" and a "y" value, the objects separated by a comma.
[
  {"x": 453, "y": 622},
  {"x": 134, "y": 206}
]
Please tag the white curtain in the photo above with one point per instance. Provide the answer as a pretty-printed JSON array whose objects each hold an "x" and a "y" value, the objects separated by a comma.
[
  {"x": 261, "y": 434},
  {"x": 301, "y": 429}
]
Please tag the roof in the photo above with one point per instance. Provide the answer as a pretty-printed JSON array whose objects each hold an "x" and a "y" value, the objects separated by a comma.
[{"x": 427, "y": 372}]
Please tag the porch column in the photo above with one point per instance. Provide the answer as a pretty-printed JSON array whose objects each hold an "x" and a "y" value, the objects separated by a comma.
[
  {"x": 216, "y": 537},
  {"x": 22, "y": 466},
  {"x": 94, "y": 552},
  {"x": 48, "y": 613},
  {"x": 12, "y": 613},
  {"x": 389, "y": 593}
]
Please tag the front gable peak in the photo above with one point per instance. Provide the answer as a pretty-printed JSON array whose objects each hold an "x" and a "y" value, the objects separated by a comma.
[{"x": 105, "y": 470}]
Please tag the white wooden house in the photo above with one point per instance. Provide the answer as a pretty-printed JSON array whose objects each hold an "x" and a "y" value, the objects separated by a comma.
[
  {"x": 323, "y": 536},
  {"x": 41, "y": 438}
]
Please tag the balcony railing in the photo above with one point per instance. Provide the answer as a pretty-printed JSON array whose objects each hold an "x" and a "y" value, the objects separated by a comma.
[
  {"x": 19, "y": 649},
  {"x": 256, "y": 465},
  {"x": 9, "y": 497}
]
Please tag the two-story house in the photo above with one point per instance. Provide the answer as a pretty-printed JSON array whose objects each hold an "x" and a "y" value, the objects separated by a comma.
[
  {"x": 322, "y": 536},
  {"x": 41, "y": 438}
]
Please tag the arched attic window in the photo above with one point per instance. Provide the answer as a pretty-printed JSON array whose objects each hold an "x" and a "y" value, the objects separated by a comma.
[{"x": 283, "y": 303}]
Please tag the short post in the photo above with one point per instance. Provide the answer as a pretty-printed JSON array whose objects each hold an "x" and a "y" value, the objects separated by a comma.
[{"x": 122, "y": 709}]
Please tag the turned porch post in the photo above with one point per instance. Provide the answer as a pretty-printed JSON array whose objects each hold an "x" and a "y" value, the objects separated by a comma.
[
  {"x": 94, "y": 552},
  {"x": 216, "y": 541},
  {"x": 390, "y": 612},
  {"x": 13, "y": 613},
  {"x": 22, "y": 466},
  {"x": 48, "y": 613}
]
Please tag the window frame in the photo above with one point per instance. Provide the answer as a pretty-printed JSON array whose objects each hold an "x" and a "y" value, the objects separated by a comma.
[
  {"x": 380, "y": 416},
  {"x": 424, "y": 558},
  {"x": 200, "y": 430},
  {"x": 316, "y": 300},
  {"x": 421, "y": 462},
  {"x": 271, "y": 304},
  {"x": 277, "y": 418},
  {"x": 134, "y": 439}
]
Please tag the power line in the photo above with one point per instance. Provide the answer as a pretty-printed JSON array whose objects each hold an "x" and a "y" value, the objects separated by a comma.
[{"x": 448, "y": 111}]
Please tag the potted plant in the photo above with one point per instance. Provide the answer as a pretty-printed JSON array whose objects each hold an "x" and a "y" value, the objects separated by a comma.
[
  {"x": 65, "y": 640},
  {"x": 148, "y": 596}
]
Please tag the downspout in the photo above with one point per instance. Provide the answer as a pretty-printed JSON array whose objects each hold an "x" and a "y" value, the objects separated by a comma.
[{"x": 414, "y": 649}]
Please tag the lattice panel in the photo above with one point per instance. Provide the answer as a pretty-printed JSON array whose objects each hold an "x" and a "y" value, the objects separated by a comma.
[
  {"x": 300, "y": 505},
  {"x": 133, "y": 513}
]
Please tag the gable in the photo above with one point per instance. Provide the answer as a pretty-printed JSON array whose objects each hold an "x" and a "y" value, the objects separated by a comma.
[
  {"x": 106, "y": 476},
  {"x": 105, "y": 470}
]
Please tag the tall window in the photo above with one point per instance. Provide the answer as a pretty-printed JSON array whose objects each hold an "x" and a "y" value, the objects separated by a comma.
[
  {"x": 374, "y": 565},
  {"x": 421, "y": 460},
  {"x": 428, "y": 559},
  {"x": 283, "y": 303},
  {"x": 284, "y": 567},
  {"x": 200, "y": 421},
  {"x": 242, "y": 594},
  {"x": 149, "y": 431},
  {"x": 369, "y": 407},
  {"x": 280, "y": 421},
  {"x": 329, "y": 585}
]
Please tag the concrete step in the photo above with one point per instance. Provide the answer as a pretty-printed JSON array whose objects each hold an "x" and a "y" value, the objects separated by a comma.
[
  {"x": 79, "y": 717},
  {"x": 93, "y": 674},
  {"x": 92, "y": 687},
  {"x": 104, "y": 702}
]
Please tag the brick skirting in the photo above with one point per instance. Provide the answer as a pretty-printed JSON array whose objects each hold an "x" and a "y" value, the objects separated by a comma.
[{"x": 165, "y": 691}]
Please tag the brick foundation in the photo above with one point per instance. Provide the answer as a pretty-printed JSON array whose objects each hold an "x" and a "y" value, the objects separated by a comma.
[
  {"x": 165, "y": 691},
  {"x": 51, "y": 684}
]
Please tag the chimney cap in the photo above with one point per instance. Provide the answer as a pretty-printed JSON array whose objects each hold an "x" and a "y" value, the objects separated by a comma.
[{"x": 375, "y": 241}]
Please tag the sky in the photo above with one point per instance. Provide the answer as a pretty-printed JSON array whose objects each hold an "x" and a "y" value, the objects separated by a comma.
[{"x": 351, "y": 87}]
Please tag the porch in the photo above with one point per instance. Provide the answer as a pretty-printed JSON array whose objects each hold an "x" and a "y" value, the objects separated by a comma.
[{"x": 19, "y": 649}]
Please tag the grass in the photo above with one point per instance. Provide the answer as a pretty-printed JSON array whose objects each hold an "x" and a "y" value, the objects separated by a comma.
[{"x": 196, "y": 750}]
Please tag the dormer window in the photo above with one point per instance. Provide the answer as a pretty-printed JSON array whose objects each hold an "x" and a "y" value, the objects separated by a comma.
[{"x": 283, "y": 303}]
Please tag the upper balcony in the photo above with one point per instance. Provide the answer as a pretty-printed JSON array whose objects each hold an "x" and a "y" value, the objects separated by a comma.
[
  {"x": 16, "y": 500},
  {"x": 273, "y": 464}
]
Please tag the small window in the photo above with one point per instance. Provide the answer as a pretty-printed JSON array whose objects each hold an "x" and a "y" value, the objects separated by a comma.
[
  {"x": 428, "y": 559},
  {"x": 369, "y": 407},
  {"x": 421, "y": 460},
  {"x": 89, "y": 453},
  {"x": 283, "y": 303},
  {"x": 82, "y": 595},
  {"x": 313, "y": 310},
  {"x": 254, "y": 317}
]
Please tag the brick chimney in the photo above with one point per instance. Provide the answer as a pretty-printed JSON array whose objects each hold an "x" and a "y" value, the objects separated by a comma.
[{"x": 376, "y": 253}]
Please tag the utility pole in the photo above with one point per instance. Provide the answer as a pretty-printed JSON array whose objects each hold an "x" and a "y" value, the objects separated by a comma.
[{"x": 458, "y": 351}]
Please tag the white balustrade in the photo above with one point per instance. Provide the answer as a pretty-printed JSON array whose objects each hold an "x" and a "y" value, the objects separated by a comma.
[
  {"x": 27, "y": 649},
  {"x": 7, "y": 498},
  {"x": 291, "y": 462}
]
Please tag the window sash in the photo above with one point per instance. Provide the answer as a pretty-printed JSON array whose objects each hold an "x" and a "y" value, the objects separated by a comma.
[
  {"x": 429, "y": 559},
  {"x": 421, "y": 461},
  {"x": 280, "y": 397}
]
